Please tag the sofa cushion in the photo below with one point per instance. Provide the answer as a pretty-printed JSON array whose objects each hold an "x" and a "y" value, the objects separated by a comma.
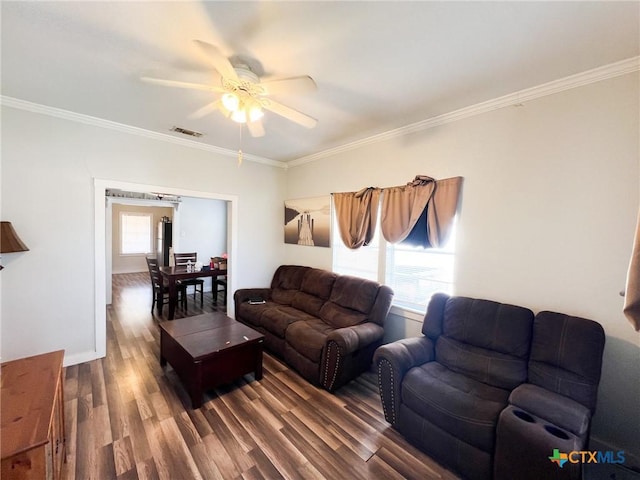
[
  {"x": 487, "y": 366},
  {"x": 279, "y": 317},
  {"x": 286, "y": 283},
  {"x": 251, "y": 313},
  {"x": 566, "y": 356},
  {"x": 308, "y": 337},
  {"x": 318, "y": 282},
  {"x": 354, "y": 293},
  {"x": 283, "y": 296},
  {"x": 314, "y": 291},
  {"x": 340, "y": 317},
  {"x": 350, "y": 302},
  {"x": 289, "y": 277},
  {"x": 307, "y": 303},
  {"x": 462, "y": 406},
  {"x": 487, "y": 324},
  {"x": 487, "y": 340}
]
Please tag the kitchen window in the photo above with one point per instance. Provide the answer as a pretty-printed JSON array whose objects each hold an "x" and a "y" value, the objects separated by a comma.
[{"x": 135, "y": 233}]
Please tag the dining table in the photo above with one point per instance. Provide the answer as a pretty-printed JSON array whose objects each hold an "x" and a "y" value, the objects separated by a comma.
[{"x": 173, "y": 275}]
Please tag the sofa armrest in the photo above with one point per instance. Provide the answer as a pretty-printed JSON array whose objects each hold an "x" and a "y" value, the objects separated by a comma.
[
  {"x": 393, "y": 361},
  {"x": 406, "y": 353},
  {"x": 351, "y": 339},
  {"x": 348, "y": 352},
  {"x": 244, "y": 294},
  {"x": 557, "y": 409}
]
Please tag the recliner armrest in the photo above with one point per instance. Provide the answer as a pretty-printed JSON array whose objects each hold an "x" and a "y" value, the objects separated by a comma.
[
  {"x": 406, "y": 353},
  {"x": 555, "y": 408},
  {"x": 351, "y": 339},
  {"x": 393, "y": 361}
]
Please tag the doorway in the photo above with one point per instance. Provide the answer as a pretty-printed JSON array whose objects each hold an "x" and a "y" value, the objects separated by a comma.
[
  {"x": 102, "y": 235},
  {"x": 118, "y": 261}
]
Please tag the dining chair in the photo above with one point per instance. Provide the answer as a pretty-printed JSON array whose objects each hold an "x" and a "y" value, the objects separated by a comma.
[
  {"x": 219, "y": 282},
  {"x": 160, "y": 291},
  {"x": 182, "y": 260}
]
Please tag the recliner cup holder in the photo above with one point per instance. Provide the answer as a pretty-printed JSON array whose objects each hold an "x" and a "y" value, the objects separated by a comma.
[
  {"x": 556, "y": 432},
  {"x": 524, "y": 442},
  {"x": 524, "y": 416}
]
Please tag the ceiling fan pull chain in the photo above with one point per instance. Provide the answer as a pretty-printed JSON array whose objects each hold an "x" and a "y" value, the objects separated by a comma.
[{"x": 240, "y": 148}]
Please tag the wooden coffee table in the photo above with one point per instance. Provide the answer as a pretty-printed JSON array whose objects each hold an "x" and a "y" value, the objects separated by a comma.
[{"x": 210, "y": 350}]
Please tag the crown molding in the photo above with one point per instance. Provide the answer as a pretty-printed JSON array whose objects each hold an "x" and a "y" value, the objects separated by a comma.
[
  {"x": 140, "y": 132},
  {"x": 611, "y": 70}
]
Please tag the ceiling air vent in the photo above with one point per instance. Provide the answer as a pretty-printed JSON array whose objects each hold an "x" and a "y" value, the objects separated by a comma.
[{"x": 184, "y": 131}]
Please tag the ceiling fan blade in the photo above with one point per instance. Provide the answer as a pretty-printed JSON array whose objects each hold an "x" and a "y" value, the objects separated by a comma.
[
  {"x": 302, "y": 84},
  {"x": 289, "y": 113},
  {"x": 206, "y": 110},
  {"x": 256, "y": 129},
  {"x": 220, "y": 62},
  {"x": 178, "y": 84}
]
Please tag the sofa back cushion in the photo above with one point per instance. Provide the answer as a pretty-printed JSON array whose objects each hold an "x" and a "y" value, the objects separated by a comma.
[
  {"x": 286, "y": 283},
  {"x": 566, "y": 356},
  {"x": 350, "y": 302},
  {"x": 486, "y": 340},
  {"x": 314, "y": 291}
]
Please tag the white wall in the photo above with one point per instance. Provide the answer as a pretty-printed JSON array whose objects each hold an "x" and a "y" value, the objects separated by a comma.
[
  {"x": 550, "y": 199},
  {"x": 202, "y": 229},
  {"x": 48, "y": 167}
]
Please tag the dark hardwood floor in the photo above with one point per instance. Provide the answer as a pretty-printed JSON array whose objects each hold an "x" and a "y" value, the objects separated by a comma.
[{"x": 128, "y": 418}]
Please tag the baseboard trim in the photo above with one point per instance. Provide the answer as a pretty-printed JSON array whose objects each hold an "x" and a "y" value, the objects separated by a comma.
[
  {"x": 77, "y": 358},
  {"x": 632, "y": 461},
  {"x": 129, "y": 270}
]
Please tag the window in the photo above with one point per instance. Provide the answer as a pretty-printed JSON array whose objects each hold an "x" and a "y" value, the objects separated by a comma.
[
  {"x": 361, "y": 262},
  {"x": 135, "y": 233},
  {"x": 414, "y": 273}
]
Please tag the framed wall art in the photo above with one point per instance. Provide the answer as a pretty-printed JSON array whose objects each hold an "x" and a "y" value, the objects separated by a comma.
[{"x": 307, "y": 221}]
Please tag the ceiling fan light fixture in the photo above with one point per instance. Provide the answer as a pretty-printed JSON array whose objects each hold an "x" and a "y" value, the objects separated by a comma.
[
  {"x": 231, "y": 102},
  {"x": 242, "y": 93},
  {"x": 247, "y": 111},
  {"x": 239, "y": 116},
  {"x": 255, "y": 113}
]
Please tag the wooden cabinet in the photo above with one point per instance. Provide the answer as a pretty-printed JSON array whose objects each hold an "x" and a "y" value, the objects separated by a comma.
[{"x": 32, "y": 411}]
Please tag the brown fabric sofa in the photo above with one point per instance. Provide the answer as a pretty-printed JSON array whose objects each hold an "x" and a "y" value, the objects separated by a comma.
[
  {"x": 324, "y": 325},
  {"x": 490, "y": 390}
]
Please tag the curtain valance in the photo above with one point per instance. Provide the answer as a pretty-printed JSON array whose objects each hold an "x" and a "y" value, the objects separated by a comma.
[
  {"x": 357, "y": 214},
  {"x": 420, "y": 212},
  {"x": 402, "y": 207}
]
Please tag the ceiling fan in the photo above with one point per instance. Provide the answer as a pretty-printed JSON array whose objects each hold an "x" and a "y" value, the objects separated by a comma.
[{"x": 243, "y": 95}]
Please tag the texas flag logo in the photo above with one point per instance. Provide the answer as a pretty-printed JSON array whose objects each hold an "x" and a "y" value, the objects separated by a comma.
[{"x": 559, "y": 458}]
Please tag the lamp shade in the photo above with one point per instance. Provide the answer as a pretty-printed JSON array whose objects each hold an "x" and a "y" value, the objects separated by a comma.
[{"x": 9, "y": 240}]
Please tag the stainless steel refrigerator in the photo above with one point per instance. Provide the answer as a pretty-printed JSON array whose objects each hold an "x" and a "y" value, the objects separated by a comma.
[{"x": 165, "y": 238}]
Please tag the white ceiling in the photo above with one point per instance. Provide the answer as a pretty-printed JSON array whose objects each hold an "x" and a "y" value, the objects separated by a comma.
[{"x": 378, "y": 65}]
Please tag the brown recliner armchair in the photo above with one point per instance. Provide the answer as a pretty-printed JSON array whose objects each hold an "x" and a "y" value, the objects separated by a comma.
[
  {"x": 490, "y": 392},
  {"x": 444, "y": 391}
]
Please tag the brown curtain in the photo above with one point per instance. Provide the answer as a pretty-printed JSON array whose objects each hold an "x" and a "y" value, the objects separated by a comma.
[
  {"x": 357, "y": 213},
  {"x": 403, "y": 206},
  {"x": 441, "y": 210},
  {"x": 632, "y": 294}
]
